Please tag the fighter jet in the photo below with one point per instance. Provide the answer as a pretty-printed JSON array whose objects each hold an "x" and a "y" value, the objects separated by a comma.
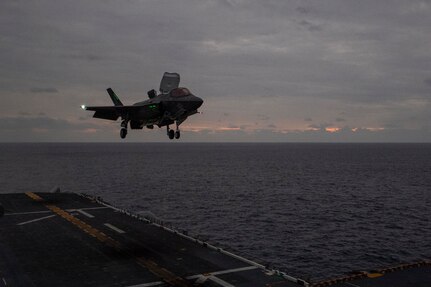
[{"x": 172, "y": 105}]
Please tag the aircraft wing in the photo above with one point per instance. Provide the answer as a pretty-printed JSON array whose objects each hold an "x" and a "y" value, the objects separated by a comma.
[{"x": 114, "y": 112}]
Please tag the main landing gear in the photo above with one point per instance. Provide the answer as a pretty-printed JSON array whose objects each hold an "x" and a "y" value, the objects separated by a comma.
[
  {"x": 173, "y": 134},
  {"x": 123, "y": 130}
]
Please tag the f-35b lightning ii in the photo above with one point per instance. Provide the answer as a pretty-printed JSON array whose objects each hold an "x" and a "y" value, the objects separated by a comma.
[{"x": 172, "y": 105}]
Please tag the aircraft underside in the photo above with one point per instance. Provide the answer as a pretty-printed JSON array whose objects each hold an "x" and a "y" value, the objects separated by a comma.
[
  {"x": 172, "y": 106},
  {"x": 165, "y": 120}
]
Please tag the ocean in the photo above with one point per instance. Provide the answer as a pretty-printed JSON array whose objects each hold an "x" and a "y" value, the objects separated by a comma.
[{"x": 312, "y": 210}]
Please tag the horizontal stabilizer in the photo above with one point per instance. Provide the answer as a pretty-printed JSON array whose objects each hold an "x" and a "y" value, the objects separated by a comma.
[{"x": 114, "y": 97}]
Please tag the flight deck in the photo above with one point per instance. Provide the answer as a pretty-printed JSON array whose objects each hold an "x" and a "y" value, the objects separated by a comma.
[{"x": 68, "y": 239}]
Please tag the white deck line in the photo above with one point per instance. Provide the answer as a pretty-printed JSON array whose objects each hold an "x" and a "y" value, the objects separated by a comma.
[
  {"x": 148, "y": 284},
  {"x": 114, "y": 228},
  {"x": 210, "y": 275},
  {"x": 85, "y": 213},
  {"x": 30, "y": 212},
  {"x": 233, "y": 270},
  {"x": 87, "y": 208},
  {"x": 37, "y": 219}
]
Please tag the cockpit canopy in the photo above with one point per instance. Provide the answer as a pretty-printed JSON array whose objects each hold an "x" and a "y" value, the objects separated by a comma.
[{"x": 180, "y": 92}]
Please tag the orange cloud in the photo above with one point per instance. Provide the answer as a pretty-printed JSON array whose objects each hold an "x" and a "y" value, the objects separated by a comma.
[
  {"x": 332, "y": 129},
  {"x": 229, "y": 129}
]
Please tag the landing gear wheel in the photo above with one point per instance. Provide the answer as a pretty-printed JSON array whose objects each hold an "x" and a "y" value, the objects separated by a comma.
[
  {"x": 123, "y": 133},
  {"x": 177, "y": 134},
  {"x": 171, "y": 134}
]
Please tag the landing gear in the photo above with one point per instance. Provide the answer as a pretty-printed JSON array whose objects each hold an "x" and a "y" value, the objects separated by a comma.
[
  {"x": 123, "y": 130},
  {"x": 123, "y": 133},
  {"x": 177, "y": 130},
  {"x": 173, "y": 133}
]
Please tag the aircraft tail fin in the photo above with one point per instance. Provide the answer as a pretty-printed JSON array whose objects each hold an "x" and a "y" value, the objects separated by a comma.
[{"x": 114, "y": 97}]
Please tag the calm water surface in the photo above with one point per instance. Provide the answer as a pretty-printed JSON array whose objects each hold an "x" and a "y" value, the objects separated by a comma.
[{"x": 312, "y": 210}]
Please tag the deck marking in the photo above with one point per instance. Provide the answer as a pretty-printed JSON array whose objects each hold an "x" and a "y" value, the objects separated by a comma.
[
  {"x": 201, "y": 279},
  {"x": 30, "y": 212},
  {"x": 234, "y": 270},
  {"x": 85, "y": 213},
  {"x": 34, "y": 196},
  {"x": 198, "y": 276},
  {"x": 352, "y": 284},
  {"x": 114, "y": 228},
  {"x": 37, "y": 219},
  {"x": 4, "y": 281},
  {"x": 88, "y": 208},
  {"x": 164, "y": 274},
  {"x": 49, "y": 211}
]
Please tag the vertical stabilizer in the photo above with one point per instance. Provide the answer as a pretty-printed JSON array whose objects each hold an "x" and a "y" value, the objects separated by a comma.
[{"x": 114, "y": 97}]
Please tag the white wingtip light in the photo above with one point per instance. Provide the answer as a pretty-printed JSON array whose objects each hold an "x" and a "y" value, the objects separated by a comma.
[{"x": 83, "y": 107}]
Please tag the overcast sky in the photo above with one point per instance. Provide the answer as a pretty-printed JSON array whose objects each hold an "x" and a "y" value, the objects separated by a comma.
[{"x": 313, "y": 71}]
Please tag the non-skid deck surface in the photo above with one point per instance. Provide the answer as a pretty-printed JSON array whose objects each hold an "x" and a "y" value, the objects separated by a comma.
[{"x": 64, "y": 239}]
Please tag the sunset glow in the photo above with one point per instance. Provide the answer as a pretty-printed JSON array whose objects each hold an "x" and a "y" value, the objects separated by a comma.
[{"x": 332, "y": 129}]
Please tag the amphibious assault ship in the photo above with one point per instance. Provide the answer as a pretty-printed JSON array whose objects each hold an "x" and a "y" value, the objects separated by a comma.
[{"x": 68, "y": 239}]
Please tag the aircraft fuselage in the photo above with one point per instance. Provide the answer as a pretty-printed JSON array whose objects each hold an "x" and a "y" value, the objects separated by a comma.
[{"x": 172, "y": 105}]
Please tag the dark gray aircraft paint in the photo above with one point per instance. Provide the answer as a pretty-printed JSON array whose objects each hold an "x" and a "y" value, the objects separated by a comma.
[{"x": 173, "y": 105}]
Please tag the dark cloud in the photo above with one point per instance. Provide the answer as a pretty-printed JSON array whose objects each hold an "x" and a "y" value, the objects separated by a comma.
[
  {"x": 243, "y": 57},
  {"x": 339, "y": 120},
  {"x": 310, "y": 26},
  {"x": 303, "y": 10}
]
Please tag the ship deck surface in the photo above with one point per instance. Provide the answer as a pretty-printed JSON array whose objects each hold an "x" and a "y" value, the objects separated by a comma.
[{"x": 66, "y": 239}]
